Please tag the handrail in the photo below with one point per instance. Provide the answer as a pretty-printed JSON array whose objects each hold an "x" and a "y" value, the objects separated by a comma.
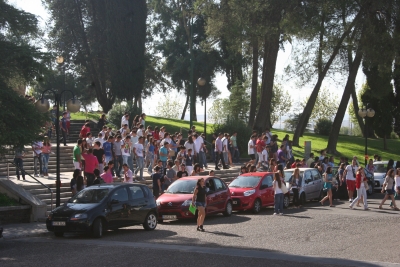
[{"x": 25, "y": 173}]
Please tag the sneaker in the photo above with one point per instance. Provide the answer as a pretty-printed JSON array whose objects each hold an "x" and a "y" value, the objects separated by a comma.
[
  {"x": 350, "y": 200},
  {"x": 275, "y": 213}
]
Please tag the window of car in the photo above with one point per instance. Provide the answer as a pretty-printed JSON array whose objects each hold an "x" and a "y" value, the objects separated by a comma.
[
  {"x": 89, "y": 196},
  {"x": 380, "y": 168},
  {"x": 307, "y": 176},
  {"x": 210, "y": 184},
  {"x": 268, "y": 180},
  {"x": 315, "y": 175},
  {"x": 136, "y": 192},
  {"x": 218, "y": 185},
  {"x": 121, "y": 194}
]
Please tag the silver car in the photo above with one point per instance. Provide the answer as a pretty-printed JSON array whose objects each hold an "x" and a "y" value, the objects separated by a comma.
[
  {"x": 312, "y": 185},
  {"x": 380, "y": 168}
]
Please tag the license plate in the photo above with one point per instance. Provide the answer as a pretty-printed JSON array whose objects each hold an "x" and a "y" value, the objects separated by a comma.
[
  {"x": 234, "y": 202},
  {"x": 169, "y": 217},
  {"x": 58, "y": 223}
]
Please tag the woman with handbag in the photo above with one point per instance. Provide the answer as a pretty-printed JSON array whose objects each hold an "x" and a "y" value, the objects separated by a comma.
[
  {"x": 328, "y": 178},
  {"x": 361, "y": 186},
  {"x": 295, "y": 185},
  {"x": 388, "y": 187},
  {"x": 278, "y": 199},
  {"x": 200, "y": 200}
]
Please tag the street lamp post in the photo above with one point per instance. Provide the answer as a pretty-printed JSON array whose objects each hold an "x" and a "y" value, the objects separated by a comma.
[
  {"x": 365, "y": 113},
  {"x": 60, "y": 61},
  {"x": 43, "y": 106},
  {"x": 201, "y": 82}
]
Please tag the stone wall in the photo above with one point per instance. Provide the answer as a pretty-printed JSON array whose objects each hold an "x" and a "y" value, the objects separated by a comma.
[{"x": 15, "y": 214}]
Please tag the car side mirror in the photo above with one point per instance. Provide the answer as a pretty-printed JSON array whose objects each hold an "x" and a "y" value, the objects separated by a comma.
[{"x": 114, "y": 201}]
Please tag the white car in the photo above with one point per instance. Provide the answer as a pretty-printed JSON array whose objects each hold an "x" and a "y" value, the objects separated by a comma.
[{"x": 380, "y": 173}]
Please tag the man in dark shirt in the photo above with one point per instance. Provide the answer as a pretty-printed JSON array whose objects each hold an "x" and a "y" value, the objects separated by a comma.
[
  {"x": 316, "y": 160},
  {"x": 98, "y": 179},
  {"x": 99, "y": 153},
  {"x": 182, "y": 172},
  {"x": 156, "y": 176}
]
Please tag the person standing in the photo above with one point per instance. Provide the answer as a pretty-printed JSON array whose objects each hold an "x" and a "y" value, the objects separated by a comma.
[
  {"x": 77, "y": 155},
  {"x": 282, "y": 155},
  {"x": 107, "y": 175},
  {"x": 295, "y": 184},
  {"x": 200, "y": 201},
  {"x": 37, "y": 157},
  {"x": 182, "y": 172},
  {"x": 46, "y": 150},
  {"x": 128, "y": 175},
  {"x": 278, "y": 197},
  {"x": 118, "y": 161},
  {"x": 68, "y": 120},
  {"x": 396, "y": 184},
  {"x": 108, "y": 153},
  {"x": 250, "y": 149},
  {"x": 126, "y": 151},
  {"x": 260, "y": 144},
  {"x": 102, "y": 121},
  {"x": 350, "y": 174},
  {"x": 98, "y": 179},
  {"x": 225, "y": 141},
  {"x": 170, "y": 176},
  {"x": 218, "y": 153},
  {"x": 361, "y": 180},
  {"x": 328, "y": 186},
  {"x": 156, "y": 177},
  {"x": 388, "y": 188},
  {"x": 235, "y": 150},
  {"x": 142, "y": 120},
  {"x": 189, "y": 161},
  {"x": 91, "y": 164},
  {"x": 98, "y": 152},
  {"x": 64, "y": 128},
  {"x": 125, "y": 120},
  {"x": 199, "y": 147},
  {"x": 164, "y": 154},
  {"x": 310, "y": 160},
  {"x": 138, "y": 151},
  {"x": 19, "y": 162}
]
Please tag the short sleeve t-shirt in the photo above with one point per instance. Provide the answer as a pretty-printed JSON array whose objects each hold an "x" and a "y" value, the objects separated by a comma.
[
  {"x": 98, "y": 153},
  {"x": 234, "y": 142},
  {"x": 90, "y": 162},
  {"x": 126, "y": 150},
  {"x": 156, "y": 177},
  {"x": 128, "y": 177},
  {"x": 117, "y": 147},
  {"x": 349, "y": 174},
  {"x": 182, "y": 174},
  {"x": 260, "y": 144},
  {"x": 250, "y": 150},
  {"x": 139, "y": 149},
  {"x": 77, "y": 153},
  {"x": 164, "y": 150},
  {"x": 107, "y": 177},
  {"x": 107, "y": 146}
]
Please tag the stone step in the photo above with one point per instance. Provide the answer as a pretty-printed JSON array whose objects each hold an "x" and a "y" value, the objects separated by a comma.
[
  {"x": 48, "y": 196},
  {"x": 62, "y": 200}
]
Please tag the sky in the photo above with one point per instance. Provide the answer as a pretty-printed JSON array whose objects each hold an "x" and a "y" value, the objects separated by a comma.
[{"x": 335, "y": 84}]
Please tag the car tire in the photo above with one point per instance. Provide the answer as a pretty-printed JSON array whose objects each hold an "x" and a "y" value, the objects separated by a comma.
[
  {"x": 150, "y": 223},
  {"x": 257, "y": 206},
  {"x": 286, "y": 201},
  {"x": 303, "y": 199},
  {"x": 371, "y": 189},
  {"x": 228, "y": 209},
  {"x": 59, "y": 234},
  {"x": 97, "y": 229}
]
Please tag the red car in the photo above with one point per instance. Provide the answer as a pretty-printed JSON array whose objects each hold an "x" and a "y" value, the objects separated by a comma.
[
  {"x": 175, "y": 202},
  {"x": 252, "y": 191}
]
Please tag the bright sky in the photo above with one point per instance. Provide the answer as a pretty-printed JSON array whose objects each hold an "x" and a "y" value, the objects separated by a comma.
[{"x": 284, "y": 57}]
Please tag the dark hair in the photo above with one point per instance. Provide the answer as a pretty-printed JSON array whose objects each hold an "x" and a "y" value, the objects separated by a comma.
[
  {"x": 198, "y": 182},
  {"x": 110, "y": 162},
  {"x": 328, "y": 170},
  {"x": 390, "y": 164},
  {"x": 79, "y": 183},
  {"x": 124, "y": 165},
  {"x": 170, "y": 164},
  {"x": 76, "y": 173},
  {"x": 79, "y": 141},
  {"x": 96, "y": 172},
  {"x": 98, "y": 143},
  {"x": 105, "y": 169},
  {"x": 277, "y": 178},
  {"x": 157, "y": 168}
]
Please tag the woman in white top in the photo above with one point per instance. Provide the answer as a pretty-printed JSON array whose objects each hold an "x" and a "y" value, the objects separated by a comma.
[
  {"x": 189, "y": 144},
  {"x": 278, "y": 194},
  {"x": 388, "y": 187},
  {"x": 396, "y": 186}
]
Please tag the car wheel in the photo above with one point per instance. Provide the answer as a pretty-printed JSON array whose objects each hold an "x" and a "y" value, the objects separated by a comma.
[
  {"x": 257, "y": 206},
  {"x": 370, "y": 189},
  {"x": 228, "y": 209},
  {"x": 286, "y": 202},
  {"x": 59, "y": 234},
  {"x": 150, "y": 223},
  {"x": 302, "y": 199},
  {"x": 97, "y": 229}
]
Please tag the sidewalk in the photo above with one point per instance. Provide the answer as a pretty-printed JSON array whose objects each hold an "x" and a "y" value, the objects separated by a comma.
[{"x": 20, "y": 230}]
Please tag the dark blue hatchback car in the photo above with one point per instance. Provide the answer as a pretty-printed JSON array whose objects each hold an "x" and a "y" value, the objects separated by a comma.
[{"x": 107, "y": 206}]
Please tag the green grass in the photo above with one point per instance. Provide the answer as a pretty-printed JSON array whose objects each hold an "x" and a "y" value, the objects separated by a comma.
[
  {"x": 173, "y": 126},
  {"x": 85, "y": 116},
  {"x": 6, "y": 201}
]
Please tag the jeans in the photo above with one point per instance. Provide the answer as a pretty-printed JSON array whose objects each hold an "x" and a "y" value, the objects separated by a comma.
[
  {"x": 278, "y": 205},
  {"x": 360, "y": 192},
  {"x": 118, "y": 165},
  {"x": 45, "y": 160},
  {"x": 213, "y": 155},
  {"x": 89, "y": 179},
  {"x": 108, "y": 159},
  {"x": 202, "y": 159},
  {"x": 218, "y": 156},
  {"x": 150, "y": 158},
  {"x": 128, "y": 160},
  {"x": 35, "y": 161},
  {"x": 295, "y": 196},
  {"x": 139, "y": 163},
  {"x": 19, "y": 165},
  {"x": 225, "y": 154},
  {"x": 235, "y": 154},
  {"x": 164, "y": 164},
  {"x": 64, "y": 136}
]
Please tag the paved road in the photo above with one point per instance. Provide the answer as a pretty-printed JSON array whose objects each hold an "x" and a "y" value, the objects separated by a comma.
[{"x": 312, "y": 236}]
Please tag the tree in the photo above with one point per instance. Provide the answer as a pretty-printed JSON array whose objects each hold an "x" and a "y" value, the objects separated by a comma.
[
  {"x": 218, "y": 111},
  {"x": 281, "y": 103},
  {"x": 291, "y": 123},
  {"x": 169, "y": 107},
  {"x": 325, "y": 107}
]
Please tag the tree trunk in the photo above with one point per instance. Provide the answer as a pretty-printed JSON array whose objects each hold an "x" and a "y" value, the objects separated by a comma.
[
  {"x": 337, "y": 123},
  {"x": 305, "y": 116},
  {"x": 356, "y": 109},
  {"x": 194, "y": 113},
  {"x": 271, "y": 49},
  {"x": 185, "y": 107},
  {"x": 254, "y": 83},
  {"x": 140, "y": 104}
]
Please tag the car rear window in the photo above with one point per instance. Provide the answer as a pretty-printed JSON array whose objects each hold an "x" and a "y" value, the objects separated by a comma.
[{"x": 245, "y": 181}]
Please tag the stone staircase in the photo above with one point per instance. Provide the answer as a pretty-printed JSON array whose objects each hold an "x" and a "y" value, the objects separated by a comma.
[{"x": 75, "y": 128}]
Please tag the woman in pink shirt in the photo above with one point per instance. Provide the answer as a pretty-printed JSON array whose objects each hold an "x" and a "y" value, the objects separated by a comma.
[
  {"x": 107, "y": 175},
  {"x": 46, "y": 149}
]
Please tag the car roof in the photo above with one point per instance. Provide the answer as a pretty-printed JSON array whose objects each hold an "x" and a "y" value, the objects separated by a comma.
[
  {"x": 256, "y": 174},
  {"x": 301, "y": 169},
  {"x": 113, "y": 185},
  {"x": 196, "y": 177}
]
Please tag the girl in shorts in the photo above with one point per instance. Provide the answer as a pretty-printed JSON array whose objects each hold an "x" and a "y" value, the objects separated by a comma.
[
  {"x": 388, "y": 187},
  {"x": 200, "y": 200}
]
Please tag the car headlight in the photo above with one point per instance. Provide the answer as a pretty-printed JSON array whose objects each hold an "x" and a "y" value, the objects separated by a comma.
[
  {"x": 158, "y": 203},
  {"x": 187, "y": 203},
  {"x": 79, "y": 216},
  {"x": 249, "y": 193}
]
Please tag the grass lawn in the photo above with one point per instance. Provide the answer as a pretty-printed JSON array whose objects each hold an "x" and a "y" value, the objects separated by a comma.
[
  {"x": 176, "y": 125},
  {"x": 85, "y": 116}
]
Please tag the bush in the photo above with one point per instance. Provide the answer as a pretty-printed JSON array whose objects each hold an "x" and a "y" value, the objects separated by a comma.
[
  {"x": 230, "y": 126},
  {"x": 118, "y": 110},
  {"x": 394, "y": 135},
  {"x": 323, "y": 127}
]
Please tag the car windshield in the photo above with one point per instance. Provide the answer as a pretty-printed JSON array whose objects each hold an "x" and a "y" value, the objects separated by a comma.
[
  {"x": 380, "y": 168},
  {"x": 182, "y": 187},
  {"x": 89, "y": 196},
  {"x": 245, "y": 181},
  {"x": 289, "y": 174}
]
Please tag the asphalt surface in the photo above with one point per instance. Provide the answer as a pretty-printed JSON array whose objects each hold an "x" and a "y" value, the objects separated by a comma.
[{"x": 311, "y": 236}]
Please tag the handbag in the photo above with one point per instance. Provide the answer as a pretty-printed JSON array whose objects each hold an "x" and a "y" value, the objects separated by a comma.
[
  {"x": 192, "y": 209},
  {"x": 284, "y": 188}
]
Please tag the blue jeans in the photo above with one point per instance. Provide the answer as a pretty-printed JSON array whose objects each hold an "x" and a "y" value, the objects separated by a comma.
[
  {"x": 118, "y": 165},
  {"x": 139, "y": 163},
  {"x": 225, "y": 154},
  {"x": 278, "y": 205},
  {"x": 45, "y": 160},
  {"x": 235, "y": 154},
  {"x": 19, "y": 165},
  {"x": 150, "y": 158},
  {"x": 108, "y": 159},
  {"x": 128, "y": 160},
  {"x": 202, "y": 159}
]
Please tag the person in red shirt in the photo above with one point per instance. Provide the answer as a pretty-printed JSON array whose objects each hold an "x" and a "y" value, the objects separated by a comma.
[
  {"x": 294, "y": 165},
  {"x": 91, "y": 163},
  {"x": 85, "y": 130},
  {"x": 260, "y": 144}
]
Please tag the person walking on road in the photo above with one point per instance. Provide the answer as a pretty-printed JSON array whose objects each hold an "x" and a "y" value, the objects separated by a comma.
[
  {"x": 396, "y": 185},
  {"x": 295, "y": 184},
  {"x": 328, "y": 178},
  {"x": 199, "y": 198},
  {"x": 350, "y": 174},
  {"x": 277, "y": 185},
  {"x": 361, "y": 181},
  {"x": 388, "y": 187}
]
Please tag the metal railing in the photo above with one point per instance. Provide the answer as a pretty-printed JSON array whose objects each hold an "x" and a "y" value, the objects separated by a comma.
[{"x": 23, "y": 172}]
